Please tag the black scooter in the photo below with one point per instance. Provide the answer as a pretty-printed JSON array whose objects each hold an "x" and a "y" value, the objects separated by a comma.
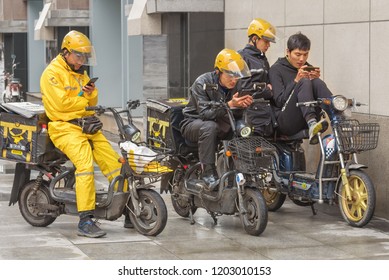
[
  {"x": 238, "y": 190},
  {"x": 52, "y": 192}
]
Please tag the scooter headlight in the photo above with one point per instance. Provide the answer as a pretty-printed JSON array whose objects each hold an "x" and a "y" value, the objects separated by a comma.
[
  {"x": 243, "y": 129},
  {"x": 132, "y": 133},
  {"x": 340, "y": 103}
]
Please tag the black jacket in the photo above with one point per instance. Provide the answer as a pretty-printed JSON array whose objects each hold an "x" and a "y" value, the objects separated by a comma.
[
  {"x": 197, "y": 93},
  {"x": 282, "y": 75},
  {"x": 258, "y": 65}
]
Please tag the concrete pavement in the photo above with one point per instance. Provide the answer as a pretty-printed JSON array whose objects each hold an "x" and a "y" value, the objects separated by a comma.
[{"x": 292, "y": 233}]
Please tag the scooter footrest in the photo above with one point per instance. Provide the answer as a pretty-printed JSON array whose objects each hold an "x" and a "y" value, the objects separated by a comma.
[
  {"x": 101, "y": 196},
  {"x": 65, "y": 194},
  {"x": 306, "y": 176},
  {"x": 195, "y": 186}
]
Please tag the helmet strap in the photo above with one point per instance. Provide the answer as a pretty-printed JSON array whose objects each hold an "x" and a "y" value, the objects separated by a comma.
[
  {"x": 254, "y": 42},
  {"x": 80, "y": 70}
]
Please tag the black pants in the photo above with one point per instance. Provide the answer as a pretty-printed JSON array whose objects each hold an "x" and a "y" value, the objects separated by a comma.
[
  {"x": 207, "y": 135},
  {"x": 292, "y": 119}
]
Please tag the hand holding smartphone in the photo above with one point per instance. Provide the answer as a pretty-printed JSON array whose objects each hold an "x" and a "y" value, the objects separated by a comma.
[
  {"x": 310, "y": 68},
  {"x": 93, "y": 80}
]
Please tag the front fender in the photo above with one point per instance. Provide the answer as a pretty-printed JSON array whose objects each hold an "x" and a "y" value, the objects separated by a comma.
[{"x": 353, "y": 166}]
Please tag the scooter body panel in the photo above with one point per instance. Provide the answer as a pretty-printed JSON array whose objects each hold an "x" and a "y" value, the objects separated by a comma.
[{"x": 226, "y": 204}]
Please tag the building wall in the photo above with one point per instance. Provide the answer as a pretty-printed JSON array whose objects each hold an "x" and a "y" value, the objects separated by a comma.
[
  {"x": 350, "y": 45},
  {"x": 14, "y": 10},
  {"x": 71, "y": 4}
]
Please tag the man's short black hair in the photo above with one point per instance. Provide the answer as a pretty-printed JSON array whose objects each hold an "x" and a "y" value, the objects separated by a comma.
[{"x": 299, "y": 41}]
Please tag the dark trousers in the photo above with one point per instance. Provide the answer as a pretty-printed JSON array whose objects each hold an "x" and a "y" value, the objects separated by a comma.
[
  {"x": 207, "y": 135},
  {"x": 292, "y": 119}
]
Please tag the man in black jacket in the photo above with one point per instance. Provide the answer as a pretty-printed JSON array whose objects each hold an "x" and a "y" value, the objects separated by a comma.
[
  {"x": 261, "y": 33},
  {"x": 260, "y": 115},
  {"x": 205, "y": 125},
  {"x": 293, "y": 81}
]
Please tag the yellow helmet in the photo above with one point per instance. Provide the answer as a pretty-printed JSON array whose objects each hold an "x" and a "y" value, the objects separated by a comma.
[
  {"x": 79, "y": 44},
  {"x": 262, "y": 29},
  {"x": 231, "y": 62}
]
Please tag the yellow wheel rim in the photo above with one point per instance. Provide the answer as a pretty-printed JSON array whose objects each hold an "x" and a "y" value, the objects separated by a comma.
[
  {"x": 355, "y": 208},
  {"x": 270, "y": 196}
]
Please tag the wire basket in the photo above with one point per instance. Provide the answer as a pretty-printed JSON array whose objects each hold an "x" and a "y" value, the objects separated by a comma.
[
  {"x": 148, "y": 161},
  {"x": 250, "y": 154},
  {"x": 357, "y": 137}
]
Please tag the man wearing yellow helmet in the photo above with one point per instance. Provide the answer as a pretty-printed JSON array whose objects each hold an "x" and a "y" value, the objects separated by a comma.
[
  {"x": 65, "y": 94},
  {"x": 206, "y": 126},
  {"x": 260, "y": 115},
  {"x": 260, "y": 33}
]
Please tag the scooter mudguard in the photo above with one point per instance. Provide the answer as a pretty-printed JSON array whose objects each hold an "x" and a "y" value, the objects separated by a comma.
[
  {"x": 22, "y": 176},
  {"x": 165, "y": 182}
]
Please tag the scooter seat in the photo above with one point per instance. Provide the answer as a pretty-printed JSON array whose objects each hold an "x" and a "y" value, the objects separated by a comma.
[
  {"x": 302, "y": 134},
  {"x": 187, "y": 148}
]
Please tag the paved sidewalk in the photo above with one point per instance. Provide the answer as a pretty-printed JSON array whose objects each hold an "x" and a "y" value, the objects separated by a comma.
[{"x": 292, "y": 233}]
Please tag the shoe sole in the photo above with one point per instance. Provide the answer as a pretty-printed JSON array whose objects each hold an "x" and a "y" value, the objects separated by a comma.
[
  {"x": 321, "y": 127},
  {"x": 96, "y": 235}
]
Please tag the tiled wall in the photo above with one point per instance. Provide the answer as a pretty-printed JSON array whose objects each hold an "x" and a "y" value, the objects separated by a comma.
[{"x": 350, "y": 43}]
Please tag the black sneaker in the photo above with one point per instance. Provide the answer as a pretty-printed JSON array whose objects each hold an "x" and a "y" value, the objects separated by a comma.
[
  {"x": 89, "y": 228},
  {"x": 210, "y": 177}
]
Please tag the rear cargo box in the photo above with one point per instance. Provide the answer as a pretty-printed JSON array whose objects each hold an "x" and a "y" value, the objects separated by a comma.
[
  {"x": 21, "y": 139},
  {"x": 163, "y": 119}
]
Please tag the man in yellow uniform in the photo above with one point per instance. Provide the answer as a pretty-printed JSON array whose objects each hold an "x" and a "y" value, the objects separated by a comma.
[{"x": 65, "y": 94}]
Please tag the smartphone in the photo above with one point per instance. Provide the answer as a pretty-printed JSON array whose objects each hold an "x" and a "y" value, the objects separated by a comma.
[
  {"x": 245, "y": 92},
  {"x": 93, "y": 80},
  {"x": 310, "y": 68}
]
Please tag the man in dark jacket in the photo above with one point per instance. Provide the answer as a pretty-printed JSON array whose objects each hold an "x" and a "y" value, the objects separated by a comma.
[
  {"x": 293, "y": 81},
  {"x": 205, "y": 125},
  {"x": 260, "y": 33},
  {"x": 260, "y": 115}
]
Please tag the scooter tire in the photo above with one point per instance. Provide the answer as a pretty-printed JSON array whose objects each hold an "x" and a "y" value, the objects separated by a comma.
[
  {"x": 360, "y": 209},
  {"x": 181, "y": 204},
  {"x": 182, "y": 207},
  {"x": 254, "y": 221},
  {"x": 153, "y": 217},
  {"x": 29, "y": 204},
  {"x": 274, "y": 199}
]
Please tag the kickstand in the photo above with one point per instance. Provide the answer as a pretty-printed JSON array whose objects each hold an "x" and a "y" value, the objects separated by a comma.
[
  {"x": 192, "y": 221},
  {"x": 314, "y": 211},
  {"x": 214, "y": 218}
]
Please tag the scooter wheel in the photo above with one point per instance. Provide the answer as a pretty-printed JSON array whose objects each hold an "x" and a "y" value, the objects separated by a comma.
[
  {"x": 180, "y": 202},
  {"x": 274, "y": 199},
  {"x": 153, "y": 213},
  {"x": 358, "y": 210},
  {"x": 182, "y": 206},
  {"x": 31, "y": 204},
  {"x": 255, "y": 219}
]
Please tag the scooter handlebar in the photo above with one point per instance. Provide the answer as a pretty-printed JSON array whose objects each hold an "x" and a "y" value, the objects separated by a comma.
[
  {"x": 133, "y": 104},
  {"x": 98, "y": 109}
]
